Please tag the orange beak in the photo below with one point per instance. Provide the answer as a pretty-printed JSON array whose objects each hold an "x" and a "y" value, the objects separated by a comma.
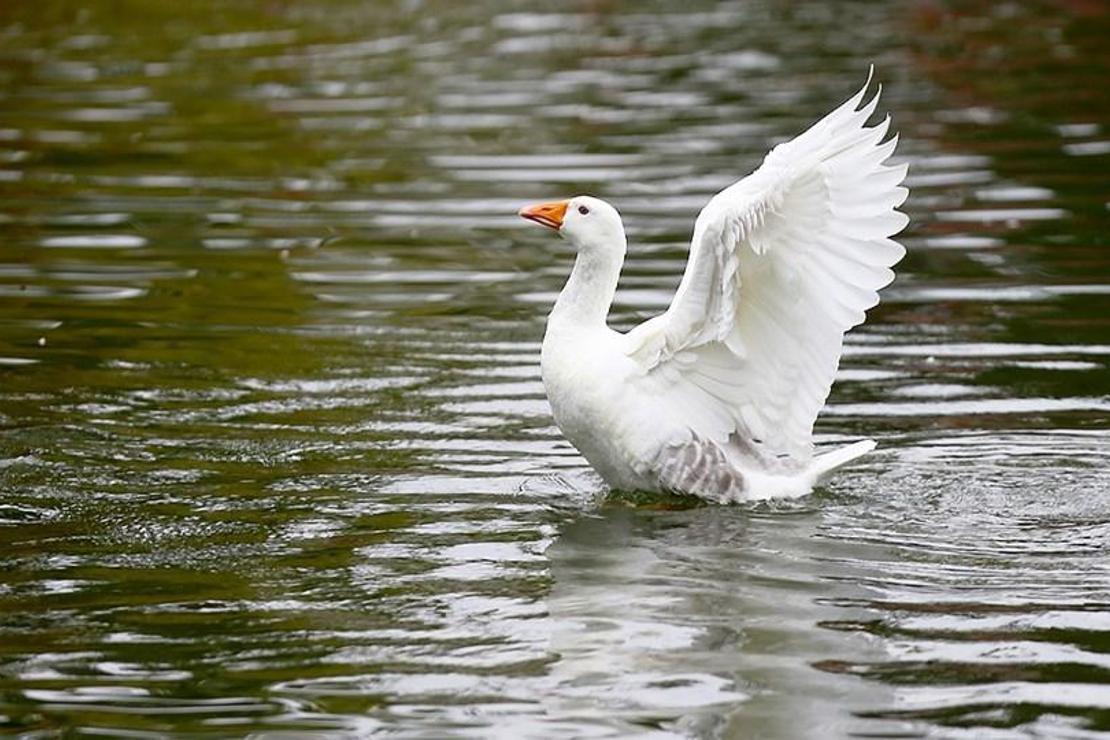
[{"x": 546, "y": 214}]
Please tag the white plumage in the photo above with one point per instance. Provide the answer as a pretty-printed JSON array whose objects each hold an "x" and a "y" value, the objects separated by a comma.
[{"x": 717, "y": 397}]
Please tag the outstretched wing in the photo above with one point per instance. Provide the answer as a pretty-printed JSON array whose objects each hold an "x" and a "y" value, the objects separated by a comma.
[{"x": 782, "y": 264}]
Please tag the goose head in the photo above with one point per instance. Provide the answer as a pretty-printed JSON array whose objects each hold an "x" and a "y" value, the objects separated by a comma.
[{"x": 590, "y": 224}]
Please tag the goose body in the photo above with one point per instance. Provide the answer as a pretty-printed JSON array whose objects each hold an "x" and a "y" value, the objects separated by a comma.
[{"x": 717, "y": 396}]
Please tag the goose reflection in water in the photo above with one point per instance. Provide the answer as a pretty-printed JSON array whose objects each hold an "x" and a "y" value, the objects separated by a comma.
[{"x": 699, "y": 620}]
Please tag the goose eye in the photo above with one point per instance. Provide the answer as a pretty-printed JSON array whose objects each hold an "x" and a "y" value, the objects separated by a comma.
[{"x": 583, "y": 210}]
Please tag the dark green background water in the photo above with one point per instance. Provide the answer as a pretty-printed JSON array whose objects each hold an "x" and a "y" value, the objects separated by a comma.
[{"x": 275, "y": 457}]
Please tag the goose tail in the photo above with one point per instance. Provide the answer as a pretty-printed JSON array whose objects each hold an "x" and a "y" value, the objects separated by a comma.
[{"x": 824, "y": 465}]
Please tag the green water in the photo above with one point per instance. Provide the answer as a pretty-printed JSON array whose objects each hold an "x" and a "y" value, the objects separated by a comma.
[{"x": 275, "y": 458}]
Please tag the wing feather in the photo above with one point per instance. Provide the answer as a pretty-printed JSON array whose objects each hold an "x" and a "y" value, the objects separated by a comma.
[{"x": 782, "y": 264}]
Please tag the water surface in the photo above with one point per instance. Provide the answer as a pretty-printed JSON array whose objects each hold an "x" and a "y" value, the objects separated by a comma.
[{"x": 275, "y": 455}]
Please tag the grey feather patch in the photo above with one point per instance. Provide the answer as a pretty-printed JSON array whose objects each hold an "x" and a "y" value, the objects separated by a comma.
[{"x": 700, "y": 467}]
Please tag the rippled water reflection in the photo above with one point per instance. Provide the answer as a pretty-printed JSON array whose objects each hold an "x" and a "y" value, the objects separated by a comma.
[{"x": 275, "y": 452}]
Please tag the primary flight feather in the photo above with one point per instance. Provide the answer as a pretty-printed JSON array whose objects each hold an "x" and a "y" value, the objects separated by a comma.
[{"x": 717, "y": 396}]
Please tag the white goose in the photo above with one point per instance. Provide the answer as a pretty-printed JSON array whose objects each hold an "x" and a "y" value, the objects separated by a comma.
[{"x": 717, "y": 396}]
